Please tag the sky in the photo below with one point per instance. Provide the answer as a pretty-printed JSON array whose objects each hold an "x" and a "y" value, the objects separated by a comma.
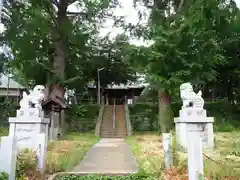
[
  {"x": 128, "y": 11},
  {"x": 238, "y": 2},
  {"x": 131, "y": 16}
]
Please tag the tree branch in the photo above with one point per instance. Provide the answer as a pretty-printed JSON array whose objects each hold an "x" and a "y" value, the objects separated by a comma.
[
  {"x": 48, "y": 10},
  {"x": 180, "y": 5},
  {"x": 77, "y": 13}
]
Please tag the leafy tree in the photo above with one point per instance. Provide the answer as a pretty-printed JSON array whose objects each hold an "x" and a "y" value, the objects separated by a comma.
[
  {"x": 187, "y": 45},
  {"x": 228, "y": 74},
  {"x": 49, "y": 43}
]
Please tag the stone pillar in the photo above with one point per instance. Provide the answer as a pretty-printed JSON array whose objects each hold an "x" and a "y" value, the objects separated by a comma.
[
  {"x": 167, "y": 142},
  {"x": 42, "y": 151},
  {"x": 8, "y": 156},
  {"x": 195, "y": 152},
  {"x": 197, "y": 116}
]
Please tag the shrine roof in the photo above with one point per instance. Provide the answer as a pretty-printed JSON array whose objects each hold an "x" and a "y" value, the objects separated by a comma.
[{"x": 54, "y": 100}]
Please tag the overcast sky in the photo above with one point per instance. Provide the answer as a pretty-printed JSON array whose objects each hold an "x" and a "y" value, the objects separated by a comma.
[
  {"x": 131, "y": 16},
  {"x": 238, "y": 2}
]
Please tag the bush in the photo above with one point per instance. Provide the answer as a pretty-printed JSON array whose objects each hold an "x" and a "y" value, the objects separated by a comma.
[
  {"x": 81, "y": 118},
  {"x": 144, "y": 117},
  {"x": 7, "y": 109},
  {"x": 3, "y": 176},
  {"x": 226, "y": 115},
  {"x": 26, "y": 161},
  {"x": 138, "y": 176}
]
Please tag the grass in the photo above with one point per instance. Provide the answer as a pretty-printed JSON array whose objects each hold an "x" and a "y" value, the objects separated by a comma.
[
  {"x": 226, "y": 156},
  {"x": 147, "y": 148},
  {"x": 65, "y": 154},
  {"x": 224, "y": 162}
]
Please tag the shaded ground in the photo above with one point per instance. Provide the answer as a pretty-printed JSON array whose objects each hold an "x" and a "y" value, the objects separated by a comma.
[{"x": 108, "y": 156}]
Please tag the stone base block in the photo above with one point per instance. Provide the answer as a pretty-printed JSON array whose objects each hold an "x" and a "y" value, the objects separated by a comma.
[{"x": 194, "y": 118}]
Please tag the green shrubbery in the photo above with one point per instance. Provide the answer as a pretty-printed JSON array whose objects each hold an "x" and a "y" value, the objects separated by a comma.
[
  {"x": 97, "y": 177},
  {"x": 144, "y": 117},
  {"x": 7, "y": 109},
  {"x": 81, "y": 118},
  {"x": 26, "y": 161},
  {"x": 3, "y": 176}
]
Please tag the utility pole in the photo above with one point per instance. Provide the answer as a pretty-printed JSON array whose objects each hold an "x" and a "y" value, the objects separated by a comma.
[{"x": 99, "y": 84}]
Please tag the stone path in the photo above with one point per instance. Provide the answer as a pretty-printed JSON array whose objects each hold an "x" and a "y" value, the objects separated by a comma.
[{"x": 108, "y": 156}]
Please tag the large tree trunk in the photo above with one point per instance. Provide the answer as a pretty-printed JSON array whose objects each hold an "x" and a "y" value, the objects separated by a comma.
[
  {"x": 164, "y": 116},
  {"x": 56, "y": 90},
  {"x": 60, "y": 53}
]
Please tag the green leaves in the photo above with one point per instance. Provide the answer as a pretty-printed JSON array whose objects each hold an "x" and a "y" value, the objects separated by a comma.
[
  {"x": 33, "y": 32},
  {"x": 97, "y": 177},
  {"x": 188, "y": 45}
]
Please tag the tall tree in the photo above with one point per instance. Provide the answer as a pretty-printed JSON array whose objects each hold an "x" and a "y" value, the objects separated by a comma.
[
  {"x": 187, "y": 45},
  {"x": 45, "y": 36}
]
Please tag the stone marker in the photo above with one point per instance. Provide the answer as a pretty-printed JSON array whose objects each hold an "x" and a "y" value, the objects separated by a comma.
[
  {"x": 30, "y": 127},
  {"x": 167, "y": 142}
]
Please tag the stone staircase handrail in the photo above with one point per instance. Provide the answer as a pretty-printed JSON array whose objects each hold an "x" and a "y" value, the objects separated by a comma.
[
  {"x": 99, "y": 121},
  {"x": 128, "y": 121},
  {"x": 114, "y": 119}
]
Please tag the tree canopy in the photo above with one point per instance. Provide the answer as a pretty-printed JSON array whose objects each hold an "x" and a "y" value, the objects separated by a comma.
[
  {"x": 194, "y": 41},
  {"x": 52, "y": 44}
]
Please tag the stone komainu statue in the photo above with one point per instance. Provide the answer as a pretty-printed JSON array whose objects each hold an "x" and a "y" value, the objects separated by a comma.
[
  {"x": 34, "y": 99},
  {"x": 189, "y": 97}
]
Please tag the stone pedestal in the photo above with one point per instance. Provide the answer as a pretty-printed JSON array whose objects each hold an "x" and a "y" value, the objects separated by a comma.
[
  {"x": 194, "y": 117},
  {"x": 31, "y": 131},
  {"x": 26, "y": 127}
]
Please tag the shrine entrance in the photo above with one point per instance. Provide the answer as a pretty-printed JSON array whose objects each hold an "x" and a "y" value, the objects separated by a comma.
[
  {"x": 120, "y": 96},
  {"x": 115, "y": 101}
]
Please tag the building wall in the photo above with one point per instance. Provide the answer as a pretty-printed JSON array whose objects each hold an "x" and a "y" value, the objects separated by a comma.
[{"x": 10, "y": 92}]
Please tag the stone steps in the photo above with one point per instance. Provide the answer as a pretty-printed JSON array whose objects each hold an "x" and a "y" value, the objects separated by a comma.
[
  {"x": 107, "y": 130},
  {"x": 120, "y": 131}
]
